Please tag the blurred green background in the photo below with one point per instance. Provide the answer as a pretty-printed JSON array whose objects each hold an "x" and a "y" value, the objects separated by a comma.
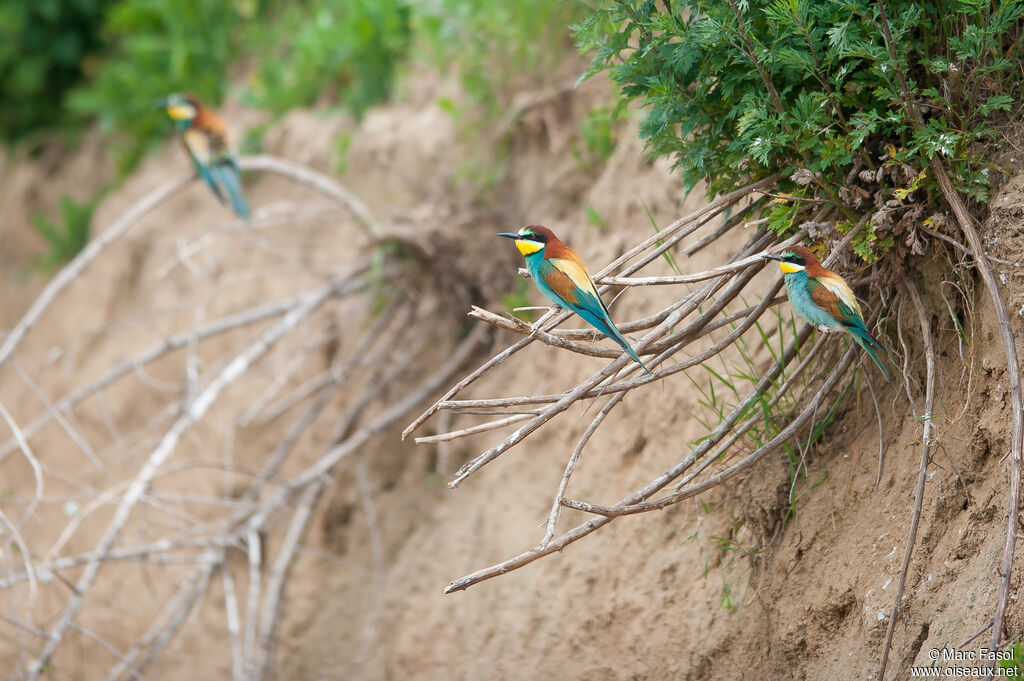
[{"x": 65, "y": 64}]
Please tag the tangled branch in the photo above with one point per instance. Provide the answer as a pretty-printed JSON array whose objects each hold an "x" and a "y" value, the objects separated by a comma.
[
  {"x": 694, "y": 317},
  {"x": 140, "y": 504}
]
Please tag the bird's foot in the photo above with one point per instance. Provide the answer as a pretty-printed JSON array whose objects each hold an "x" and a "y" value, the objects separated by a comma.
[{"x": 823, "y": 329}]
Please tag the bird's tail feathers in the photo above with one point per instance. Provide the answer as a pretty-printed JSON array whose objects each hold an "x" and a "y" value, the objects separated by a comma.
[
  {"x": 613, "y": 333},
  {"x": 227, "y": 174},
  {"x": 208, "y": 175},
  {"x": 866, "y": 341}
]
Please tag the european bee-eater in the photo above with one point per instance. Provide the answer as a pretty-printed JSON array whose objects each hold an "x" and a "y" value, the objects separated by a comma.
[
  {"x": 822, "y": 298},
  {"x": 206, "y": 138},
  {"x": 562, "y": 277}
]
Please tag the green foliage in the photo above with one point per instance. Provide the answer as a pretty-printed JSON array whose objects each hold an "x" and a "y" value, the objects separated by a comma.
[
  {"x": 521, "y": 298},
  {"x": 156, "y": 47},
  {"x": 1013, "y": 661},
  {"x": 70, "y": 235},
  {"x": 342, "y": 144},
  {"x": 597, "y": 138},
  {"x": 669, "y": 258},
  {"x": 738, "y": 90},
  {"x": 347, "y": 48},
  {"x": 497, "y": 47},
  {"x": 733, "y": 573},
  {"x": 595, "y": 218},
  {"x": 869, "y": 245},
  {"x": 116, "y": 58},
  {"x": 726, "y": 551},
  {"x": 43, "y": 45}
]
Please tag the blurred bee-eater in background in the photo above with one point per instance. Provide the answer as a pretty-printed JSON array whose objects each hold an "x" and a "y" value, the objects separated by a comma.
[
  {"x": 206, "y": 138},
  {"x": 822, "y": 298},
  {"x": 559, "y": 273}
]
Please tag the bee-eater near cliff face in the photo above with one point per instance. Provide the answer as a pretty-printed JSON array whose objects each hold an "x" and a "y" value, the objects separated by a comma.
[
  {"x": 822, "y": 298},
  {"x": 206, "y": 138},
  {"x": 559, "y": 273}
]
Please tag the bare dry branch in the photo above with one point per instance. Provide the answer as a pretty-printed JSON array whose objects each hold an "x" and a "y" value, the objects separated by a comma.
[
  {"x": 33, "y": 462},
  {"x": 558, "y": 543},
  {"x": 472, "y": 430},
  {"x": 278, "y": 573},
  {"x": 922, "y": 475},
  {"x": 1016, "y": 397},
  {"x": 556, "y": 506},
  {"x": 322, "y": 183},
  {"x": 977, "y": 251},
  {"x": 194, "y": 411},
  {"x": 668, "y": 237},
  {"x": 96, "y": 246}
]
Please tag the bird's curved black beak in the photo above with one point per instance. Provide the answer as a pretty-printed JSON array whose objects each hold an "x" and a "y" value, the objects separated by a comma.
[
  {"x": 772, "y": 256},
  {"x": 509, "y": 235}
]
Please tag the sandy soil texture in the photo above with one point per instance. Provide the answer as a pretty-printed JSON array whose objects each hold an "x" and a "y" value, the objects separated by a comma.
[{"x": 758, "y": 579}]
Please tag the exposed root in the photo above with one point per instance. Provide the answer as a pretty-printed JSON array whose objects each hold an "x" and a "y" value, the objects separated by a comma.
[
  {"x": 922, "y": 476},
  {"x": 332, "y": 349}
]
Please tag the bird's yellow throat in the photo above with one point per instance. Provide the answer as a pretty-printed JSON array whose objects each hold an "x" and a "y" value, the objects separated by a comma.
[
  {"x": 181, "y": 112},
  {"x": 789, "y": 268},
  {"x": 527, "y": 247}
]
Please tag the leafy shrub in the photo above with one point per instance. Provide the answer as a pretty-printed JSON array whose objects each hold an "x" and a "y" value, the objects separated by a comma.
[
  {"x": 42, "y": 46},
  {"x": 495, "y": 45},
  {"x": 738, "y": 90},
  {"x": 348, "y": 52},
  {"x": 596, "y": 143},
  {"x": 156, "y": 47},
  {"x": 349, "y": 48},
  {"x": 69, "y": 236}
]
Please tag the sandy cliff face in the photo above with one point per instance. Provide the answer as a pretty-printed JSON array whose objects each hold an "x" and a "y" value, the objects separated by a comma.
[{"x": 733, "y": 584}]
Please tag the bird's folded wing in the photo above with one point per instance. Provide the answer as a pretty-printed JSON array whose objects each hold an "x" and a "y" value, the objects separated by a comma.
[
  {"x": 198, "y": 143},
  {"x": 569, "y": 278},
  {"x": 834, "y": 296},
  {"x": 216, "y": 130}
]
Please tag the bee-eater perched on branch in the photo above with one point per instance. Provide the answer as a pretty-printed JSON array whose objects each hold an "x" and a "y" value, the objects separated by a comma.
[
  {"x": 559, "y": 273},
  {"x": 822, "y": 298},
  {"x": 206, "y": 138}
]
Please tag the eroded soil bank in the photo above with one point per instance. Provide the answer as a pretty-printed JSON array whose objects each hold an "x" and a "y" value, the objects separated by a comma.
[{"x": 755, "y": 580}]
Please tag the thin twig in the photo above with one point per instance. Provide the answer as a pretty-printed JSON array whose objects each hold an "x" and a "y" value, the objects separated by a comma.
[
  {"x": 223, "y": 325},
  {"x": 984, "y": 268},
  {"x": 472, "y": 430},
  {"x": 194, "y": 412},
  {"x": 167, "y": 622},
  {"x": 667, "y": 237},
  {"x": 881, "y": 433},
  {"x": 269, "y": 614},
  {"x": 97, "y": 245},
  {"x": 781, "y": 438},
  {"x": 556, "y": 506},
  {"x": 33, "y": 462},
  {"x": 594, "y": 524},
  {"x": 1016, "y": 399},
  {"x": 922, "y": 476},
  {"x": 254, "y": 560},
  {"x": 320, "y": 182},
  {"x": 680, "y": 311}
]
